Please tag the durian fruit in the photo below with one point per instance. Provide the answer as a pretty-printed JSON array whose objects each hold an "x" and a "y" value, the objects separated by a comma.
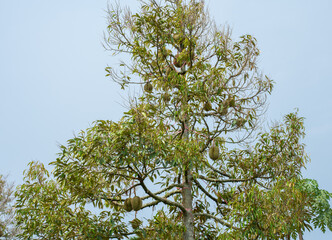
[
  {"x": 240, "y": 122},
  {"x": 135, "y": 223},
  {"x": 232, "y": 102},
  {"x": 214, "y": 152},
  {"x": 127, "y": 205},
  {"x": 148, "y": 87},
  {"x": 207, "y": 106},
  {"x": 136, "y": 203},
  {"x": 166, "y": 97}
]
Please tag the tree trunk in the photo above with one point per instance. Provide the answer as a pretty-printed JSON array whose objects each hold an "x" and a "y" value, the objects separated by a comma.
[
  {"x": 300, "y": 235},
  {"x": 187, "y": 200},
  {"x": 188, "y": 218}
]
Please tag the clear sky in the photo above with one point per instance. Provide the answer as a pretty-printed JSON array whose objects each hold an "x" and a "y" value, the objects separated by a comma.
[{"x": 53, "y": 83}]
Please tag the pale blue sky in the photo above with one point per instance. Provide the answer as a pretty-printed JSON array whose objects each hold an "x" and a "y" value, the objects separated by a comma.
[{"x": 53, "y": 84}]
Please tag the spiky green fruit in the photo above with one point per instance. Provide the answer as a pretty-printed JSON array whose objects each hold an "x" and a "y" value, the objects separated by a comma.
[
  {"x": 240, "y": 122},
  {"x": 136, "y": 203},
  {"x": 148, "y": 87},
  {"x": 214, "y": 152},
  {"x": 135, "y": 223},
  {"x": 127, "y": 205},
  {"x": 207, "y": 106},
  {"x": 166, "y": 97},
  {"x": 232, "y": 102}
]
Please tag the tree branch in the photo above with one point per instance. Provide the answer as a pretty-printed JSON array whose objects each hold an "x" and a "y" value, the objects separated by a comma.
[
  {"x": 216, "y": 170},
  {"x": 164, "y": 190},
  {"x": 217, "y": 219},
  {"x": 206, "y": 192},
  {"x": 224, "y": 180},
  {"x": 166, "y": 196},
  {"x": 164, "y": 200}
]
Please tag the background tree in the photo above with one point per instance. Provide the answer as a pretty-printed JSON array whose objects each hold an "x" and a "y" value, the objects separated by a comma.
[
  {"x": 184, "y": 143},
  {"x": 8, "y": 230}
]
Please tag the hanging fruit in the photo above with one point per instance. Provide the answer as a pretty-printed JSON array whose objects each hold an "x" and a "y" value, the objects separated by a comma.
[
  {"x": 207, "y": 106},
  {"x": 148, "y": 87},
  {"x": 214, "y": 152},
  {"x": 240, "y": 122},
  {"x": 166, "y": 97},
  {"x": 232, "y": 102},
  {"x": 127, "y": 205},
  {"x": 135, "y": 223},
  {"x": 136, "y": 203}
]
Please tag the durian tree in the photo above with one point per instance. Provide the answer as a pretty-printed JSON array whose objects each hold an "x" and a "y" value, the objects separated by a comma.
[{"x": 190, "y": 143}]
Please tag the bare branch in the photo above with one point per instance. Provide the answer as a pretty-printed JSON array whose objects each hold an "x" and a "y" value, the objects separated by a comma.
[
  {"x": 164, "y": 200},
  {"x": 157, "y": 201}
]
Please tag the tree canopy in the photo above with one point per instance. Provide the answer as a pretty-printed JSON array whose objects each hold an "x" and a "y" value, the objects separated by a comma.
[{"x": 190, "y": 143}]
